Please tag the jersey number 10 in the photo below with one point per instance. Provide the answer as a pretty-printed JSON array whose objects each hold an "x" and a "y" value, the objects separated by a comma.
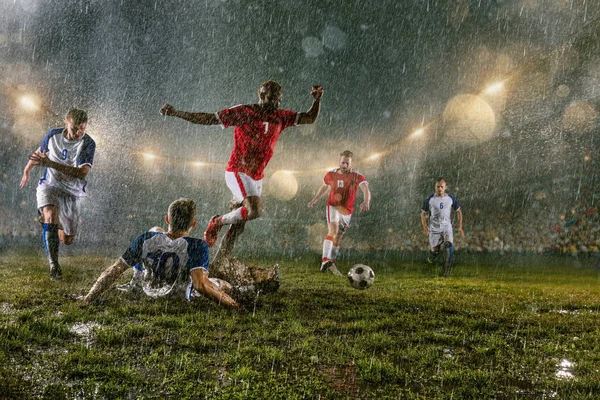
[{"x": 159, "y": 264}]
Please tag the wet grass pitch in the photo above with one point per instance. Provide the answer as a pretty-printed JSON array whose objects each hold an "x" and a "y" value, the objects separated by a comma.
[{"x": 490, "y": 330}]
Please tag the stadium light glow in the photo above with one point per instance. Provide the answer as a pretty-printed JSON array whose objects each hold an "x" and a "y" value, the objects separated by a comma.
[
  {"x": 288, "y": 171},
  {"x": 149, "y": 156},
  {"x": 494, "y": 88},
  {"x": 198, "y": 164},
  {"x": 418, "y": 132},
  {"x": 29, "y": 103},
  {"x": 374, "y": 156}
]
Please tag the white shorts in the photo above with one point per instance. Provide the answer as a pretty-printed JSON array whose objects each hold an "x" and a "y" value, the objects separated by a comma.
[
  {"x": 242, "y": 186},
  {"x": 439, "y": 238},
  {"x": 333, "y": 215},
  {"x": 68, "y": 207}
]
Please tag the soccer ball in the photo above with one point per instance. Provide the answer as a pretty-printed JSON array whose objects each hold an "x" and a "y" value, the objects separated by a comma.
[{"x": 361, "y": 277}]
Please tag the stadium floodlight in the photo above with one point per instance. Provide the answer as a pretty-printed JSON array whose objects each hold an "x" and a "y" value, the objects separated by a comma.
[
  {"x": 149, "y": 156},
  {"x": 374, "y": 156},
  {"x": 494, "y": 88},
  {"x": 418, "y": 132},
  {"x": 29, "y": 103},
  {"x": 198, "y": 164}
]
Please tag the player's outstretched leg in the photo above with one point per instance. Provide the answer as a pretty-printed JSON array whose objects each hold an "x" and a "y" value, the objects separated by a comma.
[
  {"x": 326, "y": 255},
  {"x": 212, "y": 230},
  {"x": 51, "y": 242},
  {"x": 226, "y": 247},
  {"x": 239, "y": 275},
  {"x": 251, "y": 210},
  {"x": 335, "y": 249}
]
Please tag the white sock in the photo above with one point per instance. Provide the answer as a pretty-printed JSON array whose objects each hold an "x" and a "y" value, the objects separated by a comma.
[
  {"x": 327, "y": 247},
  {"x": 334, "y": 252},
  {"x": 237, "y": 215}
]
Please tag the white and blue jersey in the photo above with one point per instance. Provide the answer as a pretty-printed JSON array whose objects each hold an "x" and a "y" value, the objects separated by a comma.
[
  {"x": 167, "y": 263},
  {"x": 74, "y": 153},
  {"x": 440, "y": 208}
]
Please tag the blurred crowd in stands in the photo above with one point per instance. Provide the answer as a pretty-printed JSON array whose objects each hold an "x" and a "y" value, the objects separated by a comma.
[{"x": 576, "y": 233}]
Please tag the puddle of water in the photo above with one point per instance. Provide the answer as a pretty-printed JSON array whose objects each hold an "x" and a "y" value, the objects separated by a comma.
[
  {"x": 85, "y": 330},
  {"x": 565, "y": 370},
  {"x": 7, "y": 308}
]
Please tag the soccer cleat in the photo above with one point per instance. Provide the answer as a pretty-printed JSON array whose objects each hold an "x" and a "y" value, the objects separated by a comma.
[
  {"x": 212, "y": 230},
  {"x": 334, "y": 270},
  {"x": 325, "y": 265},
  {"x": 55, "y": 272},
  {"x": 431, "y": 257}
]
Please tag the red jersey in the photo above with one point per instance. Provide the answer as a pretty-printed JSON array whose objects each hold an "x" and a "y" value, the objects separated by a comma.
[
  {"x": 255, "y": 136},
  {"x": 343, "y": 189}
]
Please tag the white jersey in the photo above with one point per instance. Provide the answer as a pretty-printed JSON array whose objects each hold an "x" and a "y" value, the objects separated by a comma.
[
  {"x": 74, "y": 153},
  {"x": 440, "y": 208},
  {"x": 166, "y": 263}
]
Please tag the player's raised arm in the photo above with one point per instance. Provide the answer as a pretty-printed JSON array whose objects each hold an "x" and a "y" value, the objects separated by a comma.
[
  {"x": 105, "y": 280},
  {"x": 320, "y": 192},
  {"x": 194, "y": 117},
  {"x": 312, "y": 114}
]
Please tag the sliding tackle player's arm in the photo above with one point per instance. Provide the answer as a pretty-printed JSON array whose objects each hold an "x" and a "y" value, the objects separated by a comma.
[
  {"x": 108, "y": 277},
  {"x": 209, "y": 289}
]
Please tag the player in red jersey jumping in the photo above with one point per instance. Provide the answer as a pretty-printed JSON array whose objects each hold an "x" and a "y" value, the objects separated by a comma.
[
  {"x": 342, "y": 184},
  {"x": 257, "y": 128}
]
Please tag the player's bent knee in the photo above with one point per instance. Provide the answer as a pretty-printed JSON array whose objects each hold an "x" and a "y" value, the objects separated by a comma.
[
  {"x": 254, "y": 213},
  {"x": 253, "y": 206},
  {"x": 447, "y": 244}
]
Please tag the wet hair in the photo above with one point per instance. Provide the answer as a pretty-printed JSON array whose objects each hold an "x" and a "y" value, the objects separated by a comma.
[
  {"x": 439, "y": 179},
  {"x": 272, "y": 85},
  {"x": 182, "y": 213},
  {"x": 77, "y": 116},
  {"x": 347, "y": 153}
]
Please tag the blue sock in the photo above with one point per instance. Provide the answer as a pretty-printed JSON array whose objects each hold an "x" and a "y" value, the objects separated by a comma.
[
  {"x": 451, "y": 251},
  {"x": 51, "y": 242}
]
